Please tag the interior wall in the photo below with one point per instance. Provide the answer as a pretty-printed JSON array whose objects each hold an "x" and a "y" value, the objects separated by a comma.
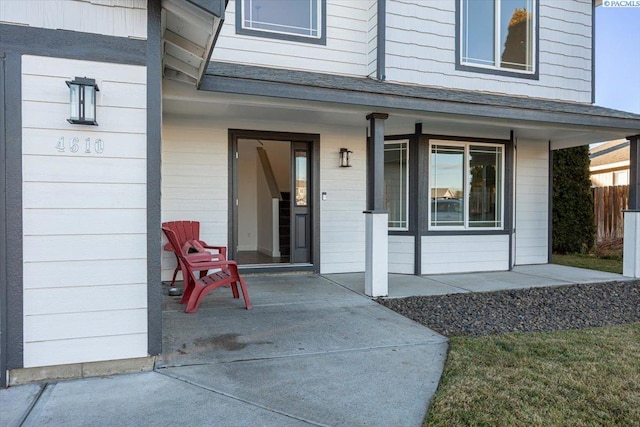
[
  {"x": 279, "y": 153},
  {"x": 248, "y": 165}
]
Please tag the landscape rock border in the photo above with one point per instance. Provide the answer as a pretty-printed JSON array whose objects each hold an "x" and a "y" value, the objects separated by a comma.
[{"x": 524, "y": 310}]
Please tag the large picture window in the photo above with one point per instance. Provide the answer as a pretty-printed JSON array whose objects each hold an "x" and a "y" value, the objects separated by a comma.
[
  {"x": 396, "y": 183},
  {"x": 498, "y": 34},
  {"x": 297, "y": 19},
  {"x": 466, "y": 182}
]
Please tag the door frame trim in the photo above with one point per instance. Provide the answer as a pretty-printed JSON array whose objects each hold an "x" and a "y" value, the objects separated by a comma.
[{"x": 232, "y": 223}]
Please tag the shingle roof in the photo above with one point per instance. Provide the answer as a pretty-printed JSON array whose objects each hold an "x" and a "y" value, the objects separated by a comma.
[{"x": 266, "y": 81}]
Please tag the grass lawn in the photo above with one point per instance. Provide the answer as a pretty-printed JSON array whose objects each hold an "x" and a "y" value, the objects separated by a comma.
[
  {"x": 587, "y": 377},
  {"x": 593, "y": 262}
]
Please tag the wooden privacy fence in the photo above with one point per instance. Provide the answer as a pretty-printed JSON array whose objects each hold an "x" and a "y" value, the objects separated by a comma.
[{"x": 608, "y": 204}]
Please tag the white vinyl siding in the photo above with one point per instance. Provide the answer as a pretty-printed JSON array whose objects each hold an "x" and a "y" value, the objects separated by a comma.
[
  {"x": 465, "y": 253},
  {"x": 194, "y": 180},
  {"x": 372, "y": 38},
  {"x": 345, "y": 52},
  {"x": 420, "y": 49},
  {"x": 532, "y": 202},
  {"x": 84, "y": 216},
  {"x": 120, "y": 18},
  {"x": 342, "y": 221},
  {"x": 402, "y": 254}
]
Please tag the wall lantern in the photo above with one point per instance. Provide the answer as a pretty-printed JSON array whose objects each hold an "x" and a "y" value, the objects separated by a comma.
[
  {"x": 345, "y": 158},
  {"x": 83, "y": 101}
]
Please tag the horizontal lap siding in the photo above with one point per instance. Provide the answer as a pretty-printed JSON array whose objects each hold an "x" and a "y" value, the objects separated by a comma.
[
  {"x": 345, "y": 52},
  {"x": 84, "y": 216},
  {"x": 194, "y": 180},
  {"x": 342, "y": 222},
  {"x": 372, "y": 38},
  {"x": 402, "y": 254},
  {"x": 421, "y": 49},
  {"x": 120, "y": 18},
  {"x": 202, "y": 144},
  {"x": 532, "y": 202},
  {"x": 461, "y": 254}
]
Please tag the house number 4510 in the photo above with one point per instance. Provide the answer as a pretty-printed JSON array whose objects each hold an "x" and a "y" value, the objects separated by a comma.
[{"x": 75, "y": 145}]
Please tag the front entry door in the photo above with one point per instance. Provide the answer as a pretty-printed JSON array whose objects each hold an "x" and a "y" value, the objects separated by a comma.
[
  {"x": 301, "y": 201},
  {"x": 274, "y": 226}
]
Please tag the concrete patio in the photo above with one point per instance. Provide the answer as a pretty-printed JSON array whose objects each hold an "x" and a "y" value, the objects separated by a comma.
[{"x": 312, "y": 351}]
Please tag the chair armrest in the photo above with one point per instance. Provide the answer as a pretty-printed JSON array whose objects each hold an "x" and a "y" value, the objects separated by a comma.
[
  {"x": 220, "y": 249},
  {"x": 202, "y": 257},
  {"x": 168, "y": 247}
]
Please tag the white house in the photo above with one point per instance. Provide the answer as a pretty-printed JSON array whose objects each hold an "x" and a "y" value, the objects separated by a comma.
[
  {"x": 609, "y": 163},
  {"x": 237, "y": 115}
]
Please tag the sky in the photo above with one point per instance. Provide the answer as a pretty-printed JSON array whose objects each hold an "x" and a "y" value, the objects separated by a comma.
[{"x": 618, "y": 58}]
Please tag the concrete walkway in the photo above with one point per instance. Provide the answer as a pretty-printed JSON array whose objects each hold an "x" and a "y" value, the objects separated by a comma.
[
  {"x": 521, "y": 277},
  {"x": 312, "y": 351}
]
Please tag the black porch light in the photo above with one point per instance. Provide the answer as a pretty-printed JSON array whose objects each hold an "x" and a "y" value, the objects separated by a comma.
[
  {"x": 345, "y": 158},
  {"x": 82, "y": 100}
]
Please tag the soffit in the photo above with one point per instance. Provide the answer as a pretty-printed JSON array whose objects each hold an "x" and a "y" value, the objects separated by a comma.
[{"x": 189, "y": 32}]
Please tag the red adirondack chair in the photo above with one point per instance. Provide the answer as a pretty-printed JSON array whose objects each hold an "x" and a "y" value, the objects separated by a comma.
[
  {"x": 195, "y": 287},
  {"x": 187, "y": 231}
]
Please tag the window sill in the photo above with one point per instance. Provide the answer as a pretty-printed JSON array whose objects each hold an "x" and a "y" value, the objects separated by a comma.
[
  {"x": 466, "y": 232},
  {"x": 498, "y": 71}
]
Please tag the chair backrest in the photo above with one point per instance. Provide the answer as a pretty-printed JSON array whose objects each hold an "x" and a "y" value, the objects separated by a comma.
[
  {"x": 173, "y": 240},
  {"x": 177, "y": 248},
  {"x": 184, "y": 230}
]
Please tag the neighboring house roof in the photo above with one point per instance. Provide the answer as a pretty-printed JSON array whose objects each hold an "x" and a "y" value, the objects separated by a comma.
[
  {"x": 612, "y": 154},
  {"x": 311, "y": 86},
  {"x": 442, "y": 193}
]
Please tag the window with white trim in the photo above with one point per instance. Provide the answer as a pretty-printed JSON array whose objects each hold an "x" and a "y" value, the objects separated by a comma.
[
  {"x": 396, "y": 183},
  {"x": 299, "y": 18},
  {"x": 466, "y": 184},
  {"x": 498, "y": 34}
]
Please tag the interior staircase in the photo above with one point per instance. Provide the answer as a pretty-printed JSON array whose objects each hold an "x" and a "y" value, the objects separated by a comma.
[{"x": 285, "y": 214}]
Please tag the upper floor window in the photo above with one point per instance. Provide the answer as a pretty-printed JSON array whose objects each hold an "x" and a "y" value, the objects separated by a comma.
[
  {"x": 466, "y": 182},
  {"x": 298, "y": 20},
  {"x": 498, "y": 34}
]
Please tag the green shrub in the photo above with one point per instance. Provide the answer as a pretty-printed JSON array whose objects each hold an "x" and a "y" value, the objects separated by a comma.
[{"x": 573, "y": 223}]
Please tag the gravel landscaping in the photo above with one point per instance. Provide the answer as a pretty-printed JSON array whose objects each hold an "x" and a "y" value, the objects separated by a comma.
[{"x": 526, "y": 310}]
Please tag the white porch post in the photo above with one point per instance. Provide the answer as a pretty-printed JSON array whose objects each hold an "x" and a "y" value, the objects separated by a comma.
[
  {"x": 376, "y": 283},
  {"x": 376, "y": 280},
  {"x": 631, "y": 249}
]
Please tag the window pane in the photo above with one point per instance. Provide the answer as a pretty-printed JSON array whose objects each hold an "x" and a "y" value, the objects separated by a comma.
[
  {"x": 396, "y": 184},
  {"x": 446, "y": 182},
  {"x": 516, "y": 34},
  {"x": 301, "y": 178},
  {"x": 485, "y": 186},
  {"x": 478, "y": 32},
  {"x": 297, "y": 17}
]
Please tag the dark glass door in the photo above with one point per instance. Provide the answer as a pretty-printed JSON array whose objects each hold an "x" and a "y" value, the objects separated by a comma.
[{"x": 301, "y": 203}]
